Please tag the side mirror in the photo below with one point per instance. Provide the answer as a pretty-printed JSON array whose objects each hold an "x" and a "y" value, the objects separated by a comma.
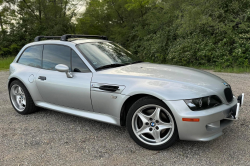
[{"x": 64, "y": 68}]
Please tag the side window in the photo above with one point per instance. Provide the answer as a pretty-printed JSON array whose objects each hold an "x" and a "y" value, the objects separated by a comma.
[
  {"x": 77, "y": 64},
  {"x": 32, "y": 56},
  {"x": 54, "y": 55}
]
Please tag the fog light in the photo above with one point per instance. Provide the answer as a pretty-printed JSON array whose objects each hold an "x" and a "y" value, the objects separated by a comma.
[{"x": 214, "y": 125}]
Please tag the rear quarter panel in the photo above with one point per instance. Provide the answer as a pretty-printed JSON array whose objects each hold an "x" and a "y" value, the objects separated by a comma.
[{"x": 26, "y": 75}]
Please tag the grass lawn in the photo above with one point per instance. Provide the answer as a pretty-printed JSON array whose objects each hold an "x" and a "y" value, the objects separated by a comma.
[
  {"x": 225, "y": 70},
  {"x": 5, "y": 62}
]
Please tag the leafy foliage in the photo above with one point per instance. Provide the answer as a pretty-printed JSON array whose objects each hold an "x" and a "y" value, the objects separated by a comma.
[
  {"x": 22, "y": 20},
  {"x": 183, "y": 32}
]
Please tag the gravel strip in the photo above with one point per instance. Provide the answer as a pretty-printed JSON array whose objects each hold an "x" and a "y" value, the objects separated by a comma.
[{"x": 52, "y": 138}]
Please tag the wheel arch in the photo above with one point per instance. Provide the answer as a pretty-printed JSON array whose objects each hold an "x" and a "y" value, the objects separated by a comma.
[
  {"x": 15, "y": 78},
  {"x": 129, "y": 102}
]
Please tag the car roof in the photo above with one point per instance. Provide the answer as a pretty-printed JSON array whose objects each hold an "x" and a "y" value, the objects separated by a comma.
[
  {"x": 68, "y": 43},
  {"x": 80, "y": 41}
]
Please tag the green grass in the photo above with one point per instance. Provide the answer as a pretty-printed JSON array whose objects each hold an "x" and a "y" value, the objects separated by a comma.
[
  {"x": 225, "y": 70},
  {"x": 5, "y": 62},
  {"x": 217, "y": 68}
]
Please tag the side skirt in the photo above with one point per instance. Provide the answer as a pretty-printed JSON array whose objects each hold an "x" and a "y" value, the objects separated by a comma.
[{"x": 81, "y": 113}]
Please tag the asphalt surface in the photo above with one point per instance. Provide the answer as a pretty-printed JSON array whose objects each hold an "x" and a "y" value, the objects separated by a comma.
[{"x": 52, "y": 138}]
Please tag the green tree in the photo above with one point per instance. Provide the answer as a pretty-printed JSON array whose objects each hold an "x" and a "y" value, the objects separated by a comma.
[
  {"x": 22, "y": 20},
  {"x": 182, "y": 32}
]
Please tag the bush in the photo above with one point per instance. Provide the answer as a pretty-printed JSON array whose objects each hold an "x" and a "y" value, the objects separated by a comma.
[{"x": 195, "y": 33}]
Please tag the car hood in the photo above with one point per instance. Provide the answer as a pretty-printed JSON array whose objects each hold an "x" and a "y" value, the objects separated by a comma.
[
  {"x": 168, "y": 72},
  {"x": 167, "y": 81}
]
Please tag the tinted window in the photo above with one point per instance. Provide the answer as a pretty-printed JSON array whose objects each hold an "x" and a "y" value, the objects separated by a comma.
[
  {"x": 54, "y": 55},
  {"x": 77, "y": 64},
  {"x": 32, "y": 56}
]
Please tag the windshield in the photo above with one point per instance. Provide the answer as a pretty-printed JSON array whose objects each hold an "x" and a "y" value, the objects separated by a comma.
[{"x": 106, "y": 53}]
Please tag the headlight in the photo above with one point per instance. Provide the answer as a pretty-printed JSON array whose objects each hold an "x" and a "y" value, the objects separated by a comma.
[{"x": 203, "y": 103}]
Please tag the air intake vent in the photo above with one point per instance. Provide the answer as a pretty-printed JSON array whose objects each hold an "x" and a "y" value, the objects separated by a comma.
[{"x": 228, "y": 94}]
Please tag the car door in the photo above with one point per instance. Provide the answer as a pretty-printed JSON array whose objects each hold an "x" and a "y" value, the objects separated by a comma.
[{"x": 55, "y": 87}]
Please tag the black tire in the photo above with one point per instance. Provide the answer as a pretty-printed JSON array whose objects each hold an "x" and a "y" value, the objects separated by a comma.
[
  {"x": 30, "y": 106},
  {"x": 137, "y": 105}
]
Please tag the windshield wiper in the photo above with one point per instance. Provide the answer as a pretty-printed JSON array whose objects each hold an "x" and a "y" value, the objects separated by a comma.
[
  {"x": 109, "y": 66},
  {"x": 136, "y": 62},
  {"x": 115, "y": 65},
  {"x": 133, "y": 62}
]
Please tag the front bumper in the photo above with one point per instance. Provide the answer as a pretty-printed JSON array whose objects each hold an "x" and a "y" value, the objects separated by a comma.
[{"x": 212, "y": 121}]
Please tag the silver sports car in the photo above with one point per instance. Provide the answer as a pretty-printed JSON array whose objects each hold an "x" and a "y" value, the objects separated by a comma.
[{"x": 91, "y": 77}]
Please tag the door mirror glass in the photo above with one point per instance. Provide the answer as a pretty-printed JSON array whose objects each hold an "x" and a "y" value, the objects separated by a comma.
[{"x": 64, "y": 68}]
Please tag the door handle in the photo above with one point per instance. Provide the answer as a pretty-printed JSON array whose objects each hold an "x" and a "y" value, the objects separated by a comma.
[
  {"x": 109, "y": 88},
  {"x": 42, "y": 78}
]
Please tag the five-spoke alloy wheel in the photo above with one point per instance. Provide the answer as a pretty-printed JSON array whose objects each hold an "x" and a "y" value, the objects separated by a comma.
[
  {"x": 151, "y": 124},
  {"x": 20, "y": 98}
]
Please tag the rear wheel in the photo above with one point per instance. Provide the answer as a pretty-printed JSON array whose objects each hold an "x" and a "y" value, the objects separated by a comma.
[
  {"x": 21, "y": 99},
  {"x": 151, "y": 124}
]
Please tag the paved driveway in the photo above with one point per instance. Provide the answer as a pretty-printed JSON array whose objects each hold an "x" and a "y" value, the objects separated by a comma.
[{"x": 52, "y": 138}]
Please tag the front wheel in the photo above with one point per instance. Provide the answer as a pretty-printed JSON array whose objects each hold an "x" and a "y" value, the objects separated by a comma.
[{"x": 151, "y": 124}]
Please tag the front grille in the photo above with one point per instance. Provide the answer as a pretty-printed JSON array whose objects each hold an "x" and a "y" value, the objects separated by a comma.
[{"x": 228, "y": 94}]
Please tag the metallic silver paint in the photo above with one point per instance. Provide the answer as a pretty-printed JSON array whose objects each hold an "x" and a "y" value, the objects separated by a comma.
[
  {"x": 31, "y": 78},
  {"x": 165, "y": 82},
  {"x": 103, "y": 102},
  {"x": 168, "y": 83},
  {"x": 64, "y": 68},
  {"x": 81, "y": 113},
  {"x": 197, "y": 130},
  {"x": 22, "y": 73},
  {"x": 63, "y": 91},
  {"x": 242, "y": 102}
]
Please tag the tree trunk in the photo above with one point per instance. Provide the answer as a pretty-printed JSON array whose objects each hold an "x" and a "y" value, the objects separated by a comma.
[
  {"x": 40, "y": 12},
  {"x": 61, "y": 8},
  {"x": 119, "y": 15},
  {"x": 55, "y": 8},
  {"x": 1, "y": 24},
  {"x": 30, "y": 9},
  {"x": 65, "y": 8}
]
